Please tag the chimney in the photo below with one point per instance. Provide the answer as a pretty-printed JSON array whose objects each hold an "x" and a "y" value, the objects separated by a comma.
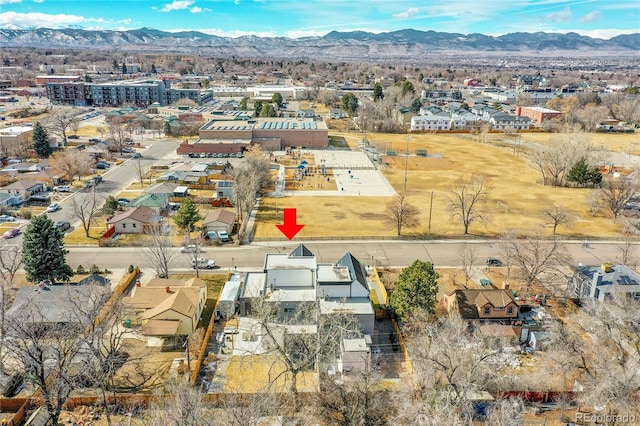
[
  {"x": 505, "y": 285},
  {"x": 168, "y": 289}
]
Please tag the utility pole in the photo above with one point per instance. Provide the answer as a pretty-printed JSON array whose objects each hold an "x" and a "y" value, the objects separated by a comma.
[
  {"x": 406, "y": 164},
  {"x": 430, "y": 209}
]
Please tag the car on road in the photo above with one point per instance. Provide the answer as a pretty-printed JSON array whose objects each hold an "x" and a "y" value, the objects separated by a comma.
[
  {"x": 492, "y": 261},
  {"x": 7, "y": 218},
  {"x": 54, "y": 207},
  {"x": 63, "y": 225},
  {"x": 137, "y": 155},
  {"x": 62, "y": 188},
  {"x": 11, "y": 233},
  {"x": 95, "y": 140},
  {"x": 191, "y": 248},
  {"x": 202, "y": 263},
  {"x": 224, "y": 237}
]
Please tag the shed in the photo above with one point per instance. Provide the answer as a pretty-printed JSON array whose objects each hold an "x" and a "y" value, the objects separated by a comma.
[{"x": 229, "y": 298}]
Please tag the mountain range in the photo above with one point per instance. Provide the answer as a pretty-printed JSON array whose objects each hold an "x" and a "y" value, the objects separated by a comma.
[{"x": 406, "y": 43}]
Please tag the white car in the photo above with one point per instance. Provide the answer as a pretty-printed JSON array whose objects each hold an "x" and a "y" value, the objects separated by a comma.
[
  {"x": 202, "y": 263},
  {"x": 62, "y": 188},
  {"x": 191, "y": 248},
  {"x": 53, "y": 208},
  {"x": 224, "y": 237}
]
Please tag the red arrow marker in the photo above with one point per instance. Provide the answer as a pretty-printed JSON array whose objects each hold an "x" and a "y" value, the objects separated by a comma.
[{"x": 289, "y": 228}]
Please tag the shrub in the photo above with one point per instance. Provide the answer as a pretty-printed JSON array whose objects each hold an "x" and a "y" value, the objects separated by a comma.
[
  {"x": 130, "y": 269},
  {"x": 25, "y": 213},
  {"x": 80, "y": 270},
  {"x": 94, "y": 269}
]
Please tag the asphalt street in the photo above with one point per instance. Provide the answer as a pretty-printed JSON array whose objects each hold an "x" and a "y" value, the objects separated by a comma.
[{"x": 442, "y": 253}]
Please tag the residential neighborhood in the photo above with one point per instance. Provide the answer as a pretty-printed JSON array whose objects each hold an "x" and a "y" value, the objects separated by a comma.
[{"x": 243, "y": 240}]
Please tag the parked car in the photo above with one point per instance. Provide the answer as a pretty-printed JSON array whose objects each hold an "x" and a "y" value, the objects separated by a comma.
[
  {"x": 63, "y": 225},
  {"x": 191, "y": 248},
  {"x": 492, "y": 261},
  {"x": 62, "y": 188},
  {"x": 202, "y": 263},
  {"x": 95, "y": 140},
  {"x": 123, "y": 201},
  {"x": 53, "y": 207},
  {"x": 137, "y": 155},
  {"x": 224, "y": 237},
  {"x": 7, "y": 218},
  {"x": 102, "y": 165},
  {"x": 11, "y": 233},
  {"x": 128, "y": 150},
  {"x": 73, "y": 137},
  {"x": 211, "y": 235},
  {"x": 97, "y": 179}
]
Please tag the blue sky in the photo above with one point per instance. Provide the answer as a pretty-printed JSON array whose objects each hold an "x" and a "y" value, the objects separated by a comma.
[{"x": 299, "y": 18}]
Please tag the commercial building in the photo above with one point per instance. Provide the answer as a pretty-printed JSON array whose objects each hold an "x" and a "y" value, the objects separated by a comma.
[
  {"x": 537, "y": 114},
  {"x": 117, "y": 93}
]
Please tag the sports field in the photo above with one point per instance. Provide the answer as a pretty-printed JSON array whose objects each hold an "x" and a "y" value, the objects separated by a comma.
[{"x": 515, "y": 199}]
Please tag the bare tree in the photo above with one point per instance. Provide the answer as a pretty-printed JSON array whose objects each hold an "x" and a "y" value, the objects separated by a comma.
[
  {"x": 628, "y": 249},
  {"x": 614, "y": 193},
  {"x": 141, "y": 172},
  {"x": 49, "y": 348},
  {"x": 85, "y": 208},
  {"x": 159, "y": 251},
  {"x": 468, "y": 257},
  {"x": 357, "y": 400},
  {"x": 242, "y": 409},
  {"x": 70, "y": 163},
  {"x": 10, "y": 261},
  {"x": 181, "y": 405},
  {"x": 400, "y": 213},
  {"x": 556, "y": 216},
  {"x": 60, "y": 120},
  {"x": 117, "y": 134},
  {"x": 466, "y": 198},
  {"x": 300, "y": 351},
  {"x": 535, "y": 255}
]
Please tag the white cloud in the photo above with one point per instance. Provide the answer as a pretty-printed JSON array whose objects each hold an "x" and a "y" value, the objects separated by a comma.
[
  {"x": 562, "y": 16},
  {"x": 412, "y": 11},
  {"x": 35, "y": 19},
  {"x": 196, "y": 9},
  {"x": 38, "y": 1},
  {"x": 176, "y": 5},
  {"x": 10, "y": 1},
  {"x": 590, "y": 17}
]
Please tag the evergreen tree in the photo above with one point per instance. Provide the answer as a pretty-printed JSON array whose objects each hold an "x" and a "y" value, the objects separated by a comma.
[
  {"x": 153, "y": 69},
  {"x": 243, "y": 103},
  {"x": 581, "y": 174},
  {"x": 416, "y": 105},
  {"x": 115, "y": 64},
  {"x": 110, "y": 205},
  {"x": 43, "y": 253},
  {"x": 257, "y": 107},
  {"x": 378, "y": 93},
  {"x": 167, "y": 128},
  {"x": 41, "y": 141},
  {"x": 415, "y": 289},
  {"x": 124, "y": 68},
  {"x": 277, "y": 98},
  {"x": 268, "y": 110},
  {"x": 350, "y": 104},
  {"x": 187, "y": 215}
]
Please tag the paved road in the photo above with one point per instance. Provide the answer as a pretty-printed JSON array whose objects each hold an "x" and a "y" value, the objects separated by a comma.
[
  {"x": 115, "y": 180},
  {"x": 384, "y": 253}
]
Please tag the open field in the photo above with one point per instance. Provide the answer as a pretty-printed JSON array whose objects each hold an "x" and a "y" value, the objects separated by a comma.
[{"x": 515, "y": 199}]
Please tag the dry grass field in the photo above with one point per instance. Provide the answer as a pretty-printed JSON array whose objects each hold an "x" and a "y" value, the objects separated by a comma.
[
  {"x": 256, "y": 373},
  {"x": 515, "y": 199}
]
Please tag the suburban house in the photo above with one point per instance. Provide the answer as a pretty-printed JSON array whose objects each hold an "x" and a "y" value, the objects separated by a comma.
[
  {"x": 441, "y": 121},
  {"x": 219, "y": 220},
  {"x": 57, "y": 304},
  {"x": 483, "y": 304},
  {"x": 291, "y": 280},
  {"x": 161, "y": 188},
  {"x": 337, "y": 113},
  {"x": 23, "y": 189},
  {"x": 136, "y": 220},
  {"x": 224, "y": 189},
  {"x": 601, "y": 282},
  {"x": 305, "y": 113},
  {"x": 156, "y": 202},
  {"x": 166, "y": 307},
  {"x": 8, "y": 200}
]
